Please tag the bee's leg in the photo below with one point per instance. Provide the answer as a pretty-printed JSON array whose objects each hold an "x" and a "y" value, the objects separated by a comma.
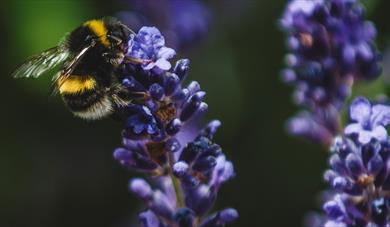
[
  {"x": 120, "y": 99},
  {"x": 133, "y": 60},
  {"x": 114, "y": 58},
  {"x": 122, "y": 96},
  {"x": 119, "y": 95}
]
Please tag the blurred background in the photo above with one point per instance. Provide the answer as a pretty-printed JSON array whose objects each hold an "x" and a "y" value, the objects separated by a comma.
[{"x": 57, "y": 170}]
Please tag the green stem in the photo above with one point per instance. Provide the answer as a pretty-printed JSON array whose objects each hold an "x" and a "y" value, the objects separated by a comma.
[
  {"x": 175, "y": 182},
  {"x": 197, "y": 222}
]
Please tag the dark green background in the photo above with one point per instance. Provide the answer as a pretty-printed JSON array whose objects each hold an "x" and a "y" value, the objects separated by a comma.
[{"x": 57, "y": 170}]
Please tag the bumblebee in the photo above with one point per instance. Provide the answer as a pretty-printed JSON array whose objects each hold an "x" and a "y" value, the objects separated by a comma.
[{"x": 89, "y": 58}]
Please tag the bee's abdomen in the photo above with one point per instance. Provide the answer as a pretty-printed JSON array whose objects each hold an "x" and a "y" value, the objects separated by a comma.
[{"x": 84, "y": 98}]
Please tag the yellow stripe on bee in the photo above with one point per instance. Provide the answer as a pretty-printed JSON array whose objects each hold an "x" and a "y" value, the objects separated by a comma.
[
  {"x": 99, "y": 28},
  {"x": 76, "y": 84}
]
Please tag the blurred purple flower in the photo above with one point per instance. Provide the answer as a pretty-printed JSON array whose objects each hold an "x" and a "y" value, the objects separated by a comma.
[
  {"x": 162, "y": 138},
  {"x": 184, "y": 22},
  {"x": 319, "y": 126},
  {"x": 221, "y": 218},
  {"x": 330, "y": 46},
  {"x": 148, "y": 219}
]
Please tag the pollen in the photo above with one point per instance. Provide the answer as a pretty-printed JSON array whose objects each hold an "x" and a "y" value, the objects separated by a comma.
[
  {"x": 306, "y": 39},
  {"x": 166, "y": 112},
  {"x": 365, "y": 180}
]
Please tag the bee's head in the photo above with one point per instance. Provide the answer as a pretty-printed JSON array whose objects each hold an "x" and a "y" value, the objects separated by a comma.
[{"x": 118, "y": 34}]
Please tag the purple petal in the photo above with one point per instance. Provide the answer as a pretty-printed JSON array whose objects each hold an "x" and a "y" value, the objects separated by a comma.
[
  {"x": 340, "y": 183},
  {"x": 360, "y": 110},
  {"x": 354, "y": 164},
  {"x": 200, "y": 199},
  {"x": 335, "y": 224},
  {"x": 151, "y": 129},
  {"x": 365, "y": 137},
  {"x": 305, "y": 7},
  {"x": 330, "y": 175},
  {"x": 228, "y": 215},
  {"x": 138, "y": 128},
  {"x": 122, "y": 154},
  {"x": 211, "y": 128},
  {"x": 380, "y": 115},
  {"x": 148, "y": 219},
  {"x": 167, "y": 187},
  {"x": 162, "y": 205},
  {"x": 375, "y": 164},
  {"x": 337, "y": 164},
  {"x": 335, "y": 208},
  {"x": 141, "y": 188},
  {"x": 222, "y": 172},
  {"x": 379, "y": 133},
  {"x": 163, "y": 64},
  {"x": 302, "y": 6},
  {"x": 353, "y": 128},
  {"x": 349, "y": 54},
  {"x": 364, "y": 50},
  {"x": 180, "y": 168},
  {"x": 166, "y": 53}
]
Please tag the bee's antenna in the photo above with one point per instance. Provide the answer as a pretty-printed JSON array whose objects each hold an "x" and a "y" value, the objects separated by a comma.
[{"x": 129, "y": 30}]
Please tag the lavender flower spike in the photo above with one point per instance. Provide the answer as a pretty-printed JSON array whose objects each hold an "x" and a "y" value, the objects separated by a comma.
[
  {"x": 330, "y": 46},
  {"x": 162, "y": 138},
  {"x": 359, "y": 170}
]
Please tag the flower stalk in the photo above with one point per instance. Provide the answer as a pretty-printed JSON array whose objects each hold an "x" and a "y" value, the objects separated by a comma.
[
  {"x": 331, "y": 46},
  {"x": 176, "y": 183}
]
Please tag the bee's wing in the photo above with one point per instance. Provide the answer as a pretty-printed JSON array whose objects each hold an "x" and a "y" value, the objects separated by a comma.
[
  {"x": 68, "y": 69},
  {"x": 37, "y": 65}
]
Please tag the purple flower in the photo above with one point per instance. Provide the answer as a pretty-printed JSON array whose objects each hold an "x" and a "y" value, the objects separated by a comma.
[
  {"x": 319, "y": 126},
  {"x": 141, "y": 188},
  {"x": 135, "y": 155},
  {"x": 330, "y": 47},
  {"x": 148, "y": 219},
  {"x": 371, "y": 120},
  {"x": 200, "y": 168},
  {"x": 149, "y": 44},
  {"x": 141, "y": 121},
  {"x": 162, "y": 137},
  {"x": 221, "y": 218},
  {"x": 359, "y": 170},
  {"x": 302, "y": 8},
  {"x": 358, "y": 175}
]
